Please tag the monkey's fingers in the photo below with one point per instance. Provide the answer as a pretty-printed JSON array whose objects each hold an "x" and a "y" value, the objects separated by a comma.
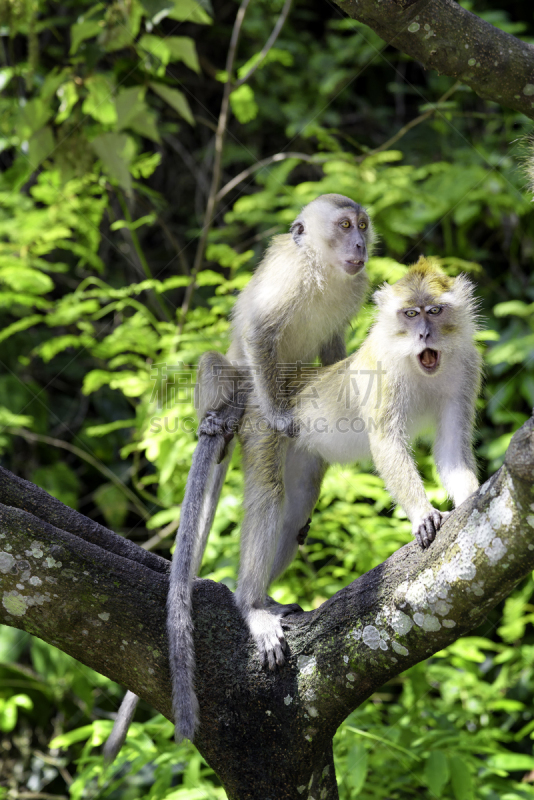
[
  {"x": 428, "y": 527},
  {"x": 269, "y": 637},
  {"x": 272, "y": 651}
]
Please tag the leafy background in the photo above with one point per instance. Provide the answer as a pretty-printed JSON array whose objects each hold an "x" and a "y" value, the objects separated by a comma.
[{"x": 107, "y": 120}]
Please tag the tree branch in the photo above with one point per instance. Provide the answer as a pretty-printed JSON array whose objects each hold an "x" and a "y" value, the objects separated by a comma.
[
  {"x": 267, "y": 46},
  {"x": 100, "y": 598},
  {"x": 217, "y": 162},
  {"x": 442, "y": 35}
]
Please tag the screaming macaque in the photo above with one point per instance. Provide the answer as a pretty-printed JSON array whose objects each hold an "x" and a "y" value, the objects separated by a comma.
[
  {"x": 417, "y": 369},
  {"x": 296, "y": 308}
]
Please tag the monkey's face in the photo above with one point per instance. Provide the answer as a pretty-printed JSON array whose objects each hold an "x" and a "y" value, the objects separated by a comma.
[
  {"x": 426, "y": 326},
  {"x": 338, "y": 230}
]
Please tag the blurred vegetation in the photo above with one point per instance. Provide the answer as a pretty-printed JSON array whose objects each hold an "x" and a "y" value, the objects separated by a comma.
[{"x": 107, "y": 120}]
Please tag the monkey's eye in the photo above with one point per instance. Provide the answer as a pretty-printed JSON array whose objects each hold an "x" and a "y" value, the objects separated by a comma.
[
  {"x": 345, "y": 223},
  {"x": 362, "y": 225},
  {"x": 435, "y": 310},
  {"x": 411, "y": 312}
]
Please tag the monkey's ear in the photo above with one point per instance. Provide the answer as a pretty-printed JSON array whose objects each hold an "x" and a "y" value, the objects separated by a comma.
[{"x": 297, "y": 231}]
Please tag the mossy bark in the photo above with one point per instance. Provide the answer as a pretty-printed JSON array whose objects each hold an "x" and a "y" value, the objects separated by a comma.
[
  {"x": 267, "y": 735},
  {"x": 442, "y": 35}
]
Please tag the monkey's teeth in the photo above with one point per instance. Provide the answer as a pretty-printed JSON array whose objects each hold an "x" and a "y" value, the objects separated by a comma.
[{"x": 429, "y": 359}]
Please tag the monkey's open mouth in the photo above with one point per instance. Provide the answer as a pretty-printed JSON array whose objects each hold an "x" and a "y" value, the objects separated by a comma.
[
  {"x": 429, "y": 359},
  {"x": 352, "y": 267}
]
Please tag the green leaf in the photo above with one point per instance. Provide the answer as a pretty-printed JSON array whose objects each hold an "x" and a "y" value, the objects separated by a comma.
[
  {"x": 19, "y": 325},
  {"x": 115, "y": 152},
  {"x": 175, "y": 99},
  {"x": 243, "y": 104},
  {"x": 462, "y": 782},
  {"x": 5, "y": 76},
  {"x": 77, "y": 735},
  {"x": 511, "y": 762},
  {"x": 157, "y": 9},
  {"x": 189, "y": 11},
  {"x": 48, "y": 350},
  {"x": 226, "y": 256},
  {"x": 356, "y": 768},
  {"x": 182, "y": 48},
  {"x": 149, "y": 219},
  {"x": 146, "y": 164},
  {"x": 158, "y": 49},
  {"x": 68, "y": 95},
  {"x": 113, "y": 504},
  {"x": 436, "y": 772},
  {"x": 128, "y": 104},
  {"x": 24, "y": 279},
  {"x": 513, "y": 307},
  {"x": 60, "y": 481},
  {"x": 209, "y": 278},
  {"x": 146, "y": 124},
  {"x": 81, "y": 31},
  {"x": 95, "y": 379},
  {"x": 41, "y": 145},
  {"x": 10, "y": 420},
  {"x": 32, "y": 117},
  {"x": 109, "y": 427},
  {"x": 99, "y": 103}
]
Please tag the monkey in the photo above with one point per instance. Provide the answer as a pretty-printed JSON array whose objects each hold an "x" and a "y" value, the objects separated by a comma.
[
  {"x": 417, "y": 369},
  {"x": 295, "y": 308}
]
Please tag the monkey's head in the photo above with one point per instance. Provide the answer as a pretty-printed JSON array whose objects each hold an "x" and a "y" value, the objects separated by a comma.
[
  {"x": 337, "y": 231},
  {"x": 426, "y": 316}
]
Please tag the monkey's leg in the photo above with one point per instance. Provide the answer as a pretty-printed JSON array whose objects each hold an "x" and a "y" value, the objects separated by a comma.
[
  {"x": 303, "y": 477},
  {"x": 263, "y": 459},
  {"x": 210, "y": 503}
]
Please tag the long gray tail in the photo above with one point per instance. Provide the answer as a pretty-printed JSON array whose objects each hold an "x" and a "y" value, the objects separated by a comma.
[
  {"x": 198, "y": 508},
  {"x": 120, "y": 728}
]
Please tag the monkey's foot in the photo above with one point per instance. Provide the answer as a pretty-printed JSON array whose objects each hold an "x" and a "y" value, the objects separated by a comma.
[
  {"x": 426, "y": 528},
  {"x": 265, "y": 627},
  {"x": 301, "y": 535}
]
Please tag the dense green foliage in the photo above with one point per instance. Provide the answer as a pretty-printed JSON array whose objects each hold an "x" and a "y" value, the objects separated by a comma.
[{"x": 106, "y": 137}]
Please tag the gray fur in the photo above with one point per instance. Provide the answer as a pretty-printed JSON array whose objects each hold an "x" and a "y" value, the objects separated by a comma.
[{"x": 309, "y": 284}]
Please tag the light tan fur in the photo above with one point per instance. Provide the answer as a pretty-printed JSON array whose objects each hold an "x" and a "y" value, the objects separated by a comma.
[
  {"x": 380, "y": 399},
  {"x": 296, "y": 308}
]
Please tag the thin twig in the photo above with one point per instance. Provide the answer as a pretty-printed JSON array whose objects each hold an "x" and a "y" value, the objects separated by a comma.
[
  {"x": 165, "y": 532},
  {"x": 246, "y": 173},
  {"x": 229, "y": 87},
  {"x": 188, "y": 160},
  {"x": 140, "y": 254},
  {"x": 217, "y": 161},
  {"x": 38, "y": 437},
  {"x": 417, "y": 121},
  {"x": 268, "y": 44}
]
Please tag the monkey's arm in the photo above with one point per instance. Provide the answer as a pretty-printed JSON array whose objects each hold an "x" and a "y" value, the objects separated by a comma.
[
  {"x": 333, "y": 351},
  {"x": 396, "y": 466},
  {"x": 263, "y": 357},
  {"x": 453, "y": 450}
]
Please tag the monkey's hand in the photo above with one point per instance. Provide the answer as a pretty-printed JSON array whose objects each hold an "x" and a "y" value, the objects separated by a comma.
[
  {"x": 284, "y": 423},
  {"x": 425, "y": 528}
]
